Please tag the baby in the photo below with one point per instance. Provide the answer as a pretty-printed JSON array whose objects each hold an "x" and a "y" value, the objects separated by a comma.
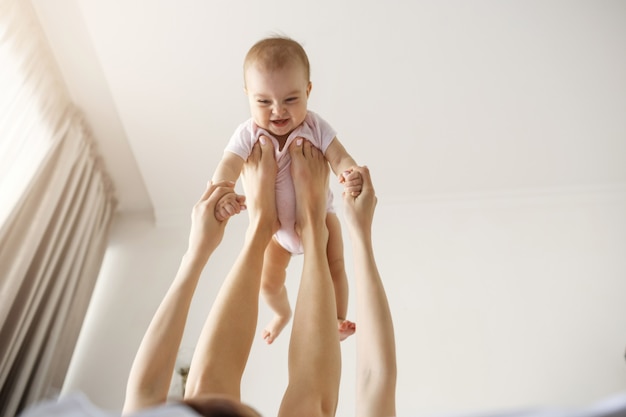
[{"x": 277, "y": 83}]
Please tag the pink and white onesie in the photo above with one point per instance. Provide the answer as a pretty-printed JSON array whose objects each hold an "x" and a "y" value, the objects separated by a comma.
[{"x": 314, "y": 129}]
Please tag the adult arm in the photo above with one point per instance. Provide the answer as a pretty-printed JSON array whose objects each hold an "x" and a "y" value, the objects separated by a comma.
[
  {"x": 376, "y": 351},
  {"x": 314, "y": 353},
  {"x": 226, "y": 338},
  {"x": 151, "y": 372}
]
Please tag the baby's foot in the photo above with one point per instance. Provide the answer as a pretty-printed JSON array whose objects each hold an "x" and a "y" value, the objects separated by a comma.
[
  {"x": 346, "y": 328},
  {"x": 274, "y": 327}
]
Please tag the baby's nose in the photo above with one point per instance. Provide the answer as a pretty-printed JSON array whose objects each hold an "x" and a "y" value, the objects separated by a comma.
[{"x": 278, "y": 109}]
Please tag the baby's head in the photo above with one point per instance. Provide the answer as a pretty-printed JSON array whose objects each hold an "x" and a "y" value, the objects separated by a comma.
[
  {"x": 275, "y": 53},
  {"x": 276, "y": 80}
]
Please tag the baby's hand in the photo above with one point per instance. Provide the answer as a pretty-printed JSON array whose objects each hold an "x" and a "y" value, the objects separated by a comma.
[
  {"x": 229, "y": 205},
  {"x": 352, "y": 182}
]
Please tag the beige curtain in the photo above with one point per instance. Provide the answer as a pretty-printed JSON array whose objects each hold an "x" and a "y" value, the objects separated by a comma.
[{"x": 56, "y": 205}]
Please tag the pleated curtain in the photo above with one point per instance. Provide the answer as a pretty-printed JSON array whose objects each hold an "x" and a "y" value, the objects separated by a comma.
[{"x": 56, "y": 206}]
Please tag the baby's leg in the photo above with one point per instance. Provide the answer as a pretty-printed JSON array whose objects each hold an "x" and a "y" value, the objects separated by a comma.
[
  {"x": 338, "y": 273},
  {"x": 273, "y": 289}
]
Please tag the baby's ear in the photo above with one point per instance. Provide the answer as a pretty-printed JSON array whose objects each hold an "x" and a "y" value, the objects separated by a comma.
[{"x": 308, "y": 89}]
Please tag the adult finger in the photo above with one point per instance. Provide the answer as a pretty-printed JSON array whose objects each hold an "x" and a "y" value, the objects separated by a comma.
[
  {"x": 255, "y": 154},
  {"x": 308, "y": 149},
  {"x": 296, "y": 148}
]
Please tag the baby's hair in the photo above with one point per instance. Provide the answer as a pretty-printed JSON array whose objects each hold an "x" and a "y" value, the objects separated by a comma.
[{"x": 275, "y": 53}]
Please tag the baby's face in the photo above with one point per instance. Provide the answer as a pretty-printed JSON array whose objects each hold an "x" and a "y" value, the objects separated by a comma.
[{"x": 278, "y": 99}]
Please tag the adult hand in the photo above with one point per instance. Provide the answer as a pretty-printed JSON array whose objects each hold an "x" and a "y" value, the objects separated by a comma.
[
  {"x": 310, "y": 171},
  {"x": 258, "y": 177},
  {"x": 206, "y": 231},
  {"x": 359, "y": 210}
]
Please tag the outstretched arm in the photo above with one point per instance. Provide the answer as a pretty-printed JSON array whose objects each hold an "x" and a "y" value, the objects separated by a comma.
[
  {"x": 225, "y": 341},
  {"x": 151, "y": 372},
  {"x": 376, "y": 349},
  {"x": 314, "y": 353},
  {"x": 229, "y": 169},
  {"x": 342, "y": 165}
]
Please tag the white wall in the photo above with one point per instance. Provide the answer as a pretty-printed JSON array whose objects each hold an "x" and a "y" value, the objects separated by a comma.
[{"x": 499, "y": 301}]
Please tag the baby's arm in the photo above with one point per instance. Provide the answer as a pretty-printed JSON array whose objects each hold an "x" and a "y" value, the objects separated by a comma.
[
  {"x": 342, "y": 164},
  {"x": 229, "y": 169}
]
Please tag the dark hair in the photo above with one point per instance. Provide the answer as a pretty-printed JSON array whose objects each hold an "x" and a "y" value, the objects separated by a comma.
[{"x": 214, "y": 407}]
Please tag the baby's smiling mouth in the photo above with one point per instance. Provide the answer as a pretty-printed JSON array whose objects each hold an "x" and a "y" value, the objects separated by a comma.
[{"x": 280, "y": 122}]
